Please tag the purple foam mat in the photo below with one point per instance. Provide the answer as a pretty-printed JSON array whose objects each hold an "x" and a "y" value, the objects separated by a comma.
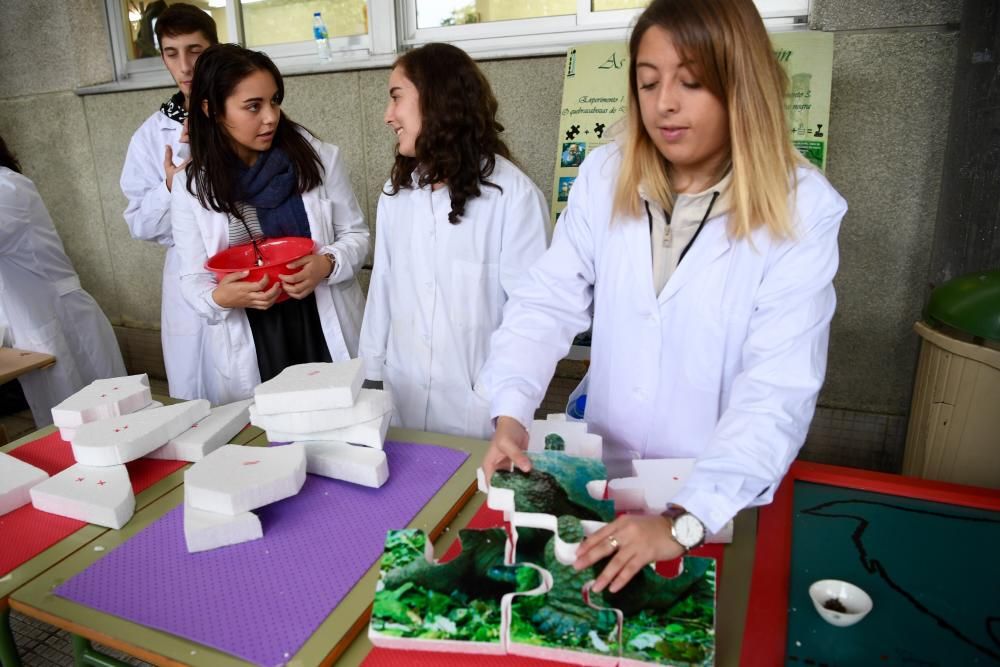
[{"x": 262, "y": 600}]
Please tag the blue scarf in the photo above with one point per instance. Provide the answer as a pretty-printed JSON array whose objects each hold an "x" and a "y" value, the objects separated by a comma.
[{"x": 271, "y": 186}]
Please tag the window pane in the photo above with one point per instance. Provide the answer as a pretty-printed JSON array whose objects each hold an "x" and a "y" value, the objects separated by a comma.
[
  {"x": 140, "y": 18},
  {"x": 279, "y": 21},
  {"x": 606, "y": 5},
  {"x": 436, "y": 13}
]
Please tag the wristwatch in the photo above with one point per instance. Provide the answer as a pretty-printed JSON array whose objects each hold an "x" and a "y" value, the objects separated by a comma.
[
  {"x": 333, "y": 262},
  {"x": 686, "y": 529}
]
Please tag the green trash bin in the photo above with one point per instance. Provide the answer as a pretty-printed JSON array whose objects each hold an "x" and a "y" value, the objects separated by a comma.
[{"x": 954, "y": 427}]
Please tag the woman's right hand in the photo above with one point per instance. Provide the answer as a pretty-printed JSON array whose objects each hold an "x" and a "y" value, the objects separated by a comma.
[
  {"x": 507, "y": 446},
  {"x": 234, "y": 292}
]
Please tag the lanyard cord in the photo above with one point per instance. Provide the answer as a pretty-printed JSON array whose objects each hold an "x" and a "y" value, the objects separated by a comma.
[{"x": 666, "y": 216}]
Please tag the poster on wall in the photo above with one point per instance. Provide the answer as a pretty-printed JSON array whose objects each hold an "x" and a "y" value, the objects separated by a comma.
[{"x": 595, "y": 94}]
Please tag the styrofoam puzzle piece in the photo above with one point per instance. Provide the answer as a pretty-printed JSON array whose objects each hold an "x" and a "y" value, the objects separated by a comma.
[
  {"x": 208, "y": 530},
  {"x": 558, "y": 484},
  {"x": 654, "y": 486},
  {"x": 67, "y": 433},
  {"x": 564, "y": 436},
  {"x": 370, "y": 404},
  {"x": 350, "y": 463},
  {"x": 99, "y": 495},
  {"x": 236, "y": 478},
  {"x": 204, "y": 437},
  {"x": 129, "y": 437},
  {"x": 103, "y": 399},
  {"x": 368, "y": 434},
  {"x": 460, "y": 605},
  {"x": 16, "y": 480},
  {"x": 315, "y": 386},
  {"x": 151, "y": 406}
]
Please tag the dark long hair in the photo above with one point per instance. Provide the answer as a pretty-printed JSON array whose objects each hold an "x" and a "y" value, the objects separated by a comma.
[
  {"x": 459, "y": 133},
  {"x": 214, "y": 163},
  {"x": 7, "y": 158}
]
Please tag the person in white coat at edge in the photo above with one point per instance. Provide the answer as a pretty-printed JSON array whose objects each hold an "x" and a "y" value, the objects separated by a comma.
[
  {"x": 157, "y": 151},
  {"x": 707, "y": 248},
  {"x": 255, "y": 173},
  {"x": 457, "y": 226},
  {"x": 41, "y": 302}
]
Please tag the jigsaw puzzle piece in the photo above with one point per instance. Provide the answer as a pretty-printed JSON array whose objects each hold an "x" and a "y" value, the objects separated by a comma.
[
  {"x": 16, "y": 480},
  {"x": 122, "y": 439},
  {"x": 370, "y": 404},
  {"x": 235, "y": 479},
  {"x": 567, "y": 622},
  {"x": 368, "y": 434},
  {"x": 315, "y": 386},
  {"x": 208, "y": 530},
  {"x": 204, "y": 437},
  {"x": 350, "y": 463},
  {"x": 99, "y": 495},
  {"x": 455, "y": 606},
  {"x": 102, "y": 399}
]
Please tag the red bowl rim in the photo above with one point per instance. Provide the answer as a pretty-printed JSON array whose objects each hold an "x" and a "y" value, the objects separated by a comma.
[{"x": 208, "y": 264}]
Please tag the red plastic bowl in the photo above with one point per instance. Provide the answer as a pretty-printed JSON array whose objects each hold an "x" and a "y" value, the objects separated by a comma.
[{"x": 277, "y": 253}]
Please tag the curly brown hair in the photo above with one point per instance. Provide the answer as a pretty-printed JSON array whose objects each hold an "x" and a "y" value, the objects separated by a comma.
[{"x": 459, "y": 133}]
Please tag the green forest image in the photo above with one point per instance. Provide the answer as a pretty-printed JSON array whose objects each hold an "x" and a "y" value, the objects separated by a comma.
[{"x": 666, "y": 621}]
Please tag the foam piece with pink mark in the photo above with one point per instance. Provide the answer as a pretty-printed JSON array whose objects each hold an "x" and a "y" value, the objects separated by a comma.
[
  {"x": 235, "y": 479},
  {"x": 126, "y": 438},
  {"x": 315, "y": 386},
  {"x": 210, "y": 433},
  {"x": 370, "y": 404},
  {"x": 100, "y": 495},
  {"x": 103, "y": 399},
  {"x": 16, "y": 480}
]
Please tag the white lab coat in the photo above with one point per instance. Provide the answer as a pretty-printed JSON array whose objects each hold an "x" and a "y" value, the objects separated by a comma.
[
  {"x": 43, "y": 305},
  {"x": 148, "y": 218},
  {"x": 724, "y": 365},
  {"x": 229, "y": 358},
  {"x": 437, "y": 293}
]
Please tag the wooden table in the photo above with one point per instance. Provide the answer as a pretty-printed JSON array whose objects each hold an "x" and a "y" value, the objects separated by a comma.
[
  {"x": 35, "y": 567},
  {"x": 341, "y": 637},
  {"x": 327, "y": 643},
  {"x": 15, "y": 363}
]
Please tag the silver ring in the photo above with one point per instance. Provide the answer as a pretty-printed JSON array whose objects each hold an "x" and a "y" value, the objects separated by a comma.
[{"x": 614, "y": 542}]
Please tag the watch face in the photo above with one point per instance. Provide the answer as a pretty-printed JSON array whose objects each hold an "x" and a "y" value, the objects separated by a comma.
[{"x": 688, "y": 530}]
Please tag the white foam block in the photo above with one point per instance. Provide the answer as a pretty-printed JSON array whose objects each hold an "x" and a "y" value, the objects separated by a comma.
[
  {"x": 96, "y": 495},
  {"x": 215, "y": 430},
  {"x": 369, "y": 434},
  {"x": 236, "y": 478},
  {"x": 347, "y": 462},
  {"x": 576, "y": 441},
  {"x": 16, "y": 480},
  {"x": 129, "y": 437},
  {"x": 67, "y": 433},
  {"x": 370, "y": 404},
  {"x": 208, "y": 530},
  {"x": 306, "y": 387},
  {"x": 103, "y": 399}
]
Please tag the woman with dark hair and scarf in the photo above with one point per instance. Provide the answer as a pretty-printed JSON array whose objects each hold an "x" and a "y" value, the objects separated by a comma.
[
  {"x": 458, "y": 225},
  {"x": 256, "y": 174}
]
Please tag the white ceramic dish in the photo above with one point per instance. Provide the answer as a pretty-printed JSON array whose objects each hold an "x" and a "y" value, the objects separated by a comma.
[{"x": 855, "y": 601}]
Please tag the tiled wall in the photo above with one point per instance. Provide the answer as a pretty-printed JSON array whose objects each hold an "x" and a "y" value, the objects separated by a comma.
[{"x": 892, "y": 80}]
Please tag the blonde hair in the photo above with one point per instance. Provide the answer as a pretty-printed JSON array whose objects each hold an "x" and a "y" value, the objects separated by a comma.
[{"x": 734, "y": 60}]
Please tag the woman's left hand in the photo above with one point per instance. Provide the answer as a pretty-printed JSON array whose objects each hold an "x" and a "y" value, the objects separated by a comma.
[
  {"x": 640, "y": 540},
  {"x": 315, "y": 269}
]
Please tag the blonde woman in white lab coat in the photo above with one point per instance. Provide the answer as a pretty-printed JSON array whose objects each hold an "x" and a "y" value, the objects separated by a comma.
[
  {"x": 457, "y": 227},
  {"x": 41, "y": 301},
  {"x": 707, "y": 249},
  {"x": 157, "y": 151}
]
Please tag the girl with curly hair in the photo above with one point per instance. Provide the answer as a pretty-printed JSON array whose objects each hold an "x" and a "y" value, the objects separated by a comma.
[{"x": 457, "y": 226}]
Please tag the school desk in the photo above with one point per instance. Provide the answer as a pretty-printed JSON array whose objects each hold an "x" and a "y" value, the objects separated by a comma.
[
  {"x": 925, "y": 552},
  {"x": 51, "y": 551},
  {"x": 14, "y": 363},
  {"x": 325, "y": 644}
]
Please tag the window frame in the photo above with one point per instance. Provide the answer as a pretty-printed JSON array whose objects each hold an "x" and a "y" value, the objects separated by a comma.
[{"x": 392, "y": 29}]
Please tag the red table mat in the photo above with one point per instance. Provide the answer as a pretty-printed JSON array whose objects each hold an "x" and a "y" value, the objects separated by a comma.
[
  {"x": 487, "y": 518},
  {"x": 26, "y": 532}
]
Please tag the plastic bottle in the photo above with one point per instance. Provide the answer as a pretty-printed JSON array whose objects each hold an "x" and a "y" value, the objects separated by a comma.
[{"x": 321, "y": 35}]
